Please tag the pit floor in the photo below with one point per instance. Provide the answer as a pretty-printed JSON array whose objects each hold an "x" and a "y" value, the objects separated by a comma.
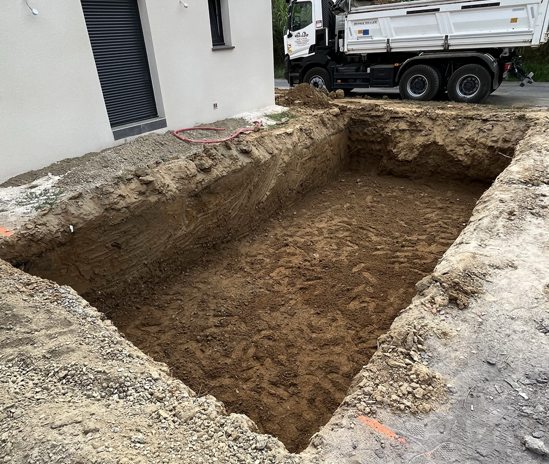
[{"x": 277, "y": 324}]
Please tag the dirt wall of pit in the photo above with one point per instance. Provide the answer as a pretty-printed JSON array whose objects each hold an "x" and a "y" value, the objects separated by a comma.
[
  {"x": 179, "y": 209},
  {"x": 476, "y": 334},
  {"x": 427, "y": 141},
  {"x": 164, "y": 217}
]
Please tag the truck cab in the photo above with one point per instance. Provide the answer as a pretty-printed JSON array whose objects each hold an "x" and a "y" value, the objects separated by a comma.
[{"x": 309, "y": 38}]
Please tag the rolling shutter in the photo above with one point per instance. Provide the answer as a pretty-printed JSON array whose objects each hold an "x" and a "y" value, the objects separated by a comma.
[{"x": 116, "y": 37}]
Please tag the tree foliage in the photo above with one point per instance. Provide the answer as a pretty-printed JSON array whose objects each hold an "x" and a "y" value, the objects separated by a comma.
[
  {"x": 538, "y": 55},
  {"x": 280, "y": 15},
  {"x": 536, "y": 60}
]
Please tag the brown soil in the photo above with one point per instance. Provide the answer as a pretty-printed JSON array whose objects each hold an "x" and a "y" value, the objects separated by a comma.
[
  {"x": 93, "y": 238},
  {"x": 277, "y": 325},
  {"x": 262, "y": 307},
  {"x": 303, "y": 94}
]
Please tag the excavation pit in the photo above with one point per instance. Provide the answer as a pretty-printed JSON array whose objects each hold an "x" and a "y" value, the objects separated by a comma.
[
  {"x": 264, "y": 273},
  {"x": 277, "y": 325}
]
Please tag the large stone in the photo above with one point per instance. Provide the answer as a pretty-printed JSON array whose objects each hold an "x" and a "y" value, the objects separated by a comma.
[{"x": 536, "y": 445}]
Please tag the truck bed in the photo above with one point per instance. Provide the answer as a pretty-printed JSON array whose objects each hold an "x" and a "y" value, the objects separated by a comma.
[{"x": 434, "y": 25}]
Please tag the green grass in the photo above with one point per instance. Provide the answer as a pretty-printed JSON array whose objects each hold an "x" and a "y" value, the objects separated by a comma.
[
  {"x": 280, "y": 116},
  {"x": 540, "y": 70},
  {"x": 279, "y": 71}
]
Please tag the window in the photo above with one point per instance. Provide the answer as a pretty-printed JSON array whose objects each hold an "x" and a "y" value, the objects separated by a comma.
[
  {"x": 216, "y": 23},
  {"x": 120, "y": 53},
  {"x": 302, "y": 15}
]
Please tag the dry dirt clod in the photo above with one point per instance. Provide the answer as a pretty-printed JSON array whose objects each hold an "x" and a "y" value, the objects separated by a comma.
[
  {"x": 146, "y": 180},
  {"x": 535, "y": 445}
]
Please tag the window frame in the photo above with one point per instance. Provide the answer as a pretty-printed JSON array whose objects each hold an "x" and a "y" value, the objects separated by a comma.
[{"x": 216, "y": 24}]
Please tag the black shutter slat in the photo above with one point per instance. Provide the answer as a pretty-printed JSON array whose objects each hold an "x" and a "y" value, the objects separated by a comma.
[
  {"x": 133, "y": 77},
  {"x": 116, "y": 36}
]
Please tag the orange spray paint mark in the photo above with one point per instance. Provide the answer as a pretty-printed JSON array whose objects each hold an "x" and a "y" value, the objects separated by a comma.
[
  {"x": 381, "y": 428},
  {"x": 5, "y": 232}
]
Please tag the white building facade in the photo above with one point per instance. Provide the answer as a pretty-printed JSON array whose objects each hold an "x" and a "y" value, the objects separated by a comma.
[{"x": 80, "y": 75}]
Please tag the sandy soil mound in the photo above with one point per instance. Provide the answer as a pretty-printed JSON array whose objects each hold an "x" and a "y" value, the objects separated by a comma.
[{"x": 305, "y": 95}]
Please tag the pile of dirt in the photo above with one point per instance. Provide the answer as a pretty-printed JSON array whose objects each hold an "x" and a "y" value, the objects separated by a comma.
[
  {"x": 303, "y": 95},
  {"x": 396, "y": 376}
]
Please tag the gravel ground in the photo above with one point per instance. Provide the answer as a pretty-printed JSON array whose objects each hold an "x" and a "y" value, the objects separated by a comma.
[
  {"x": 94, "y": 169},
  {"x": 75, "y": 391}
]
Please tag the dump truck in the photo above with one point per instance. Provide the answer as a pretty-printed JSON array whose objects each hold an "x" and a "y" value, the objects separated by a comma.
[{"x": 427, "y": 48}]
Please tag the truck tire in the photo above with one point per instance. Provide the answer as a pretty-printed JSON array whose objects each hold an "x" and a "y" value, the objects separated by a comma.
[
  {"x": 470, "y": 84},
  {"x": 420, "y": 82},
  {"x": 318, "y": 78}
]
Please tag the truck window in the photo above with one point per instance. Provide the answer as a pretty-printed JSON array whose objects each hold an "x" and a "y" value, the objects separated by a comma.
[{"x": 302, "y": 15}]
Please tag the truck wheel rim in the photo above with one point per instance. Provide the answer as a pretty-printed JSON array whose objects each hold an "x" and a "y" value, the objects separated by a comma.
[
  {"x": 468, "y": 86},
  {"x": 317, "y": 82},
  {"x": 417, "y": 85}
]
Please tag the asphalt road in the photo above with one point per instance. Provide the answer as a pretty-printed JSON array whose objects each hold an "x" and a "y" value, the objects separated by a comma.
[{"x": 510, "y": 94}]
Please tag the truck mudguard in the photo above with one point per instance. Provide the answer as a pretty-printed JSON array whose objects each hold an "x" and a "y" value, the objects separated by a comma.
[{"x": 318, "y": 59}]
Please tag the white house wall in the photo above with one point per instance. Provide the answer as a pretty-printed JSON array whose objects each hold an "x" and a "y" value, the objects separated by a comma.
[
  {"x": 193, "y": 77},
  {"x": 51, "y": 104}
]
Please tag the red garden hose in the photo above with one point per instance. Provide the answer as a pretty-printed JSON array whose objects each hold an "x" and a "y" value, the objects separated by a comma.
[{"x": 238, "y": 132}]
